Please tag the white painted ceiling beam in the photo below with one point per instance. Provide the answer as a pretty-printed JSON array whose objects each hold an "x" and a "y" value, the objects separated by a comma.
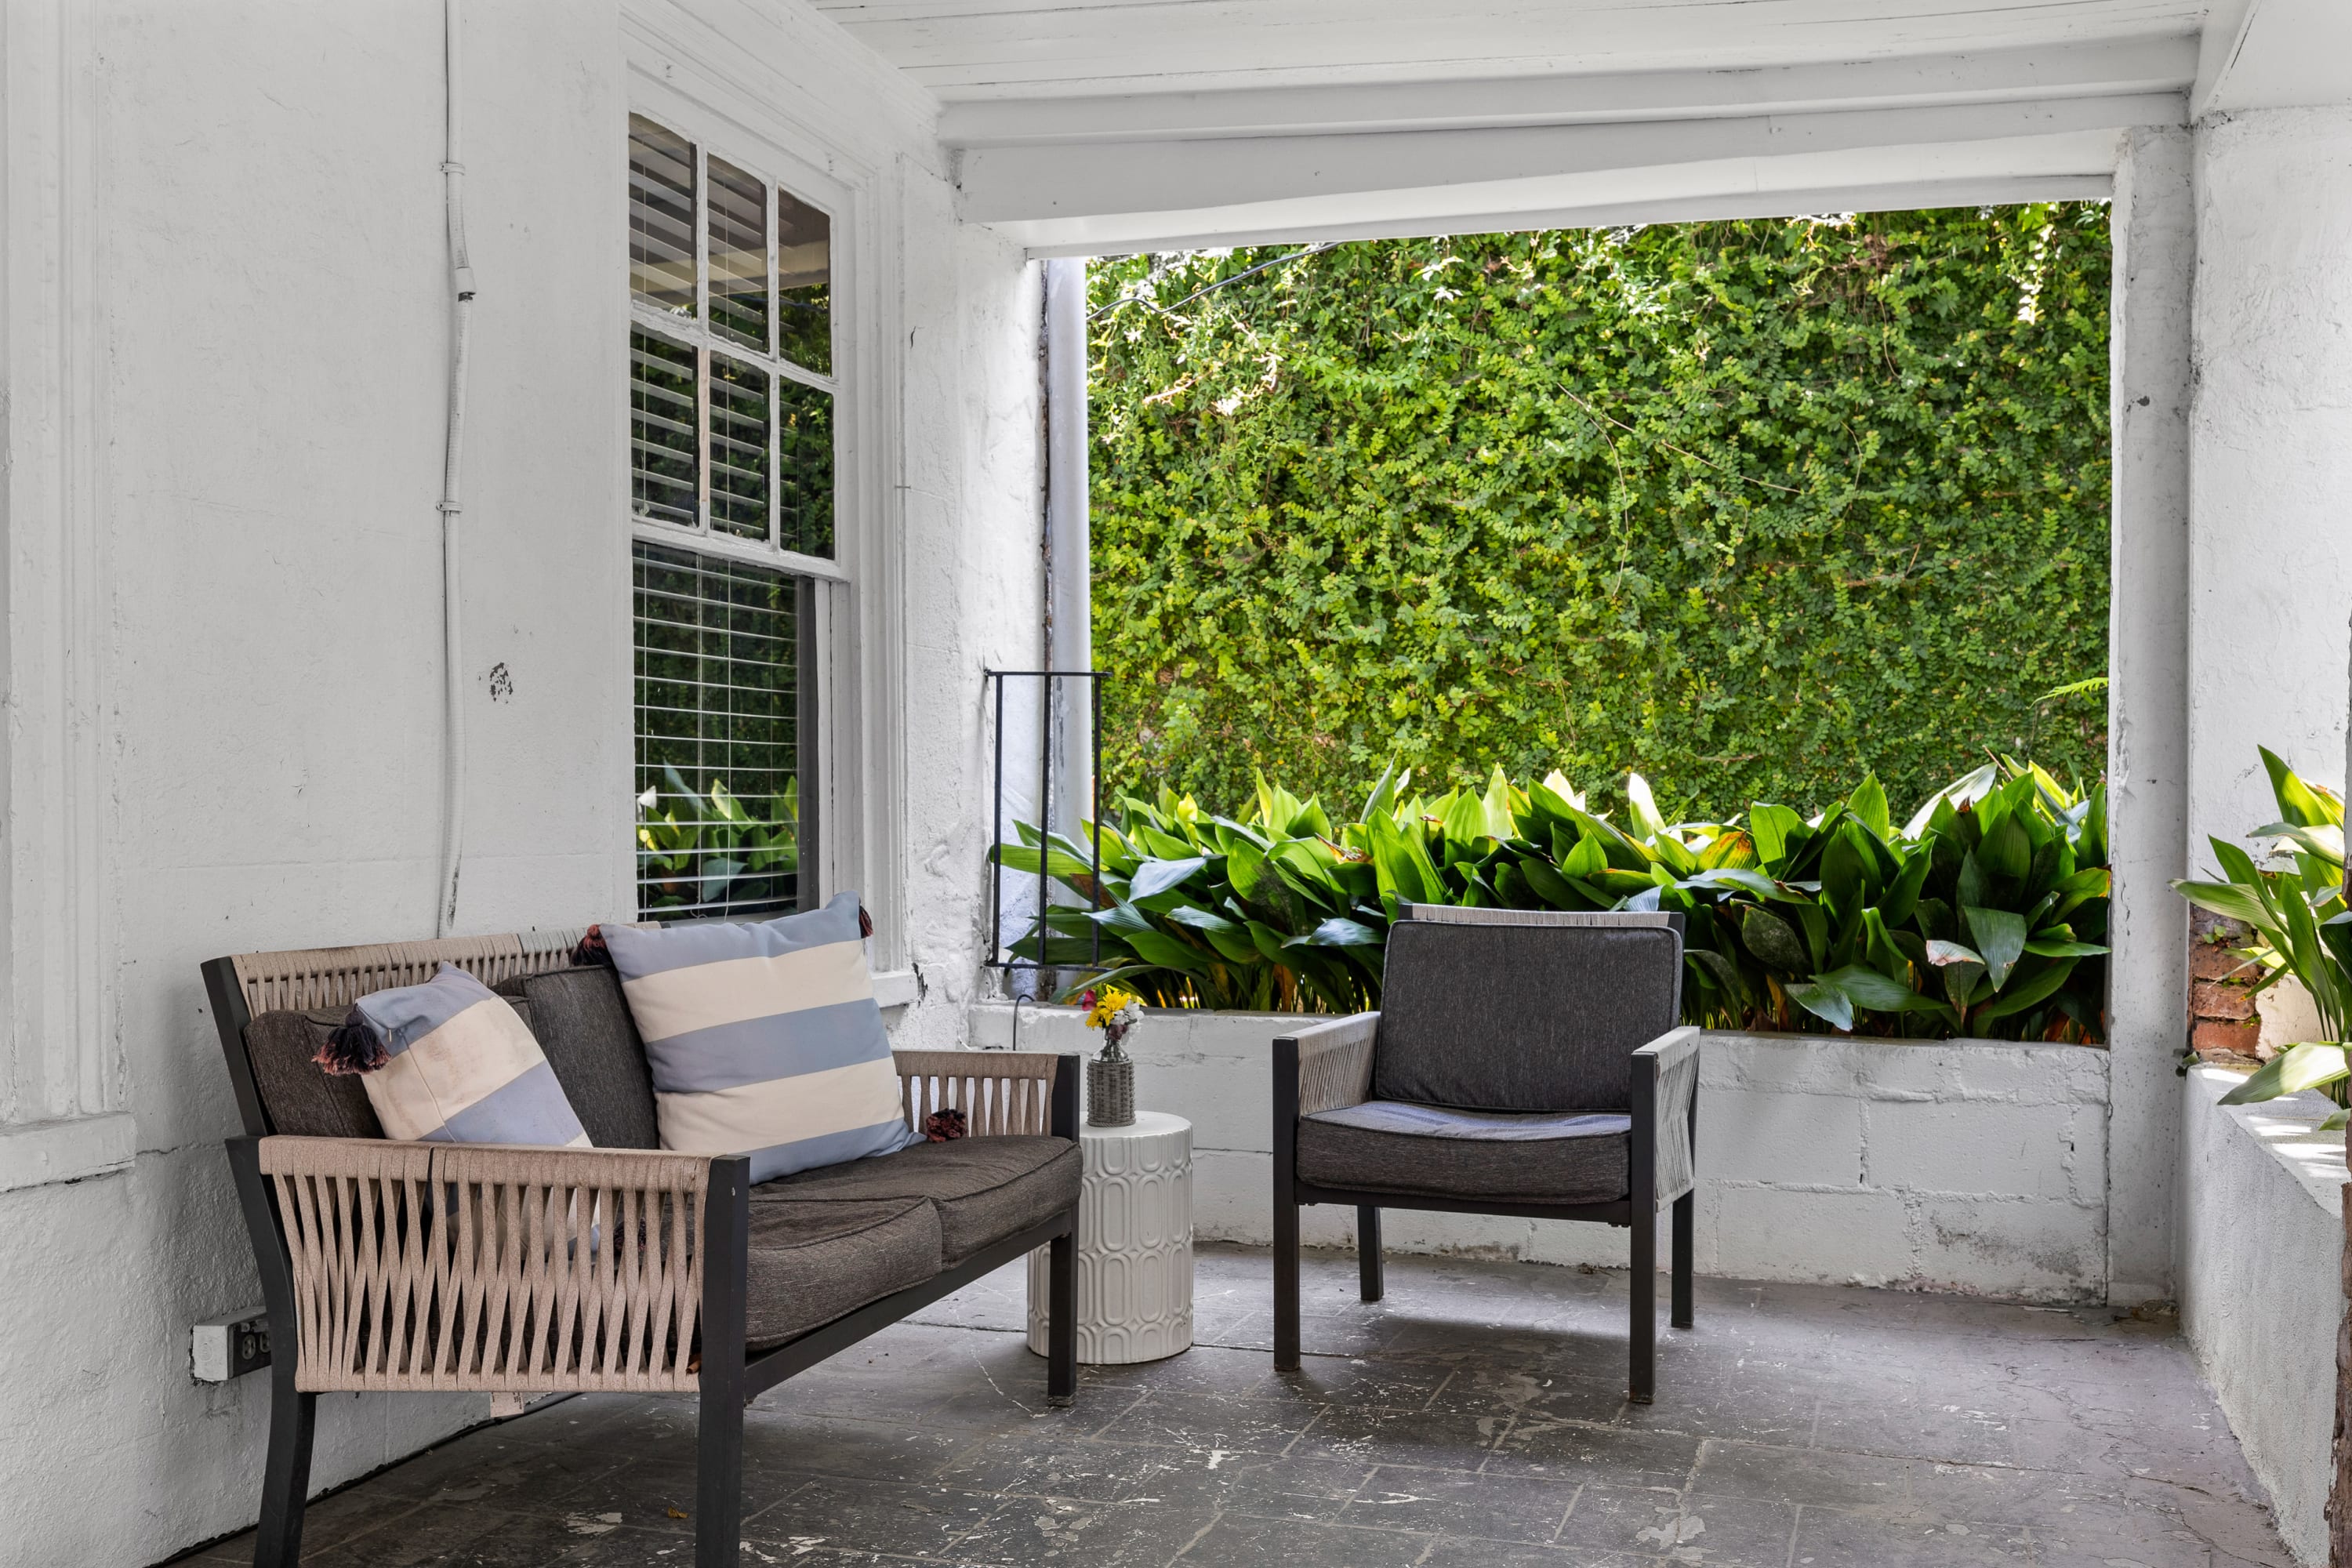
[
  {"x": 1008, "y": 185},
  {"x": 2122, "y": 69},
  {"x": 992, "y": 49},
  {"x": 2274, "y": 54},
  {"x": 2069, "y": 165}
]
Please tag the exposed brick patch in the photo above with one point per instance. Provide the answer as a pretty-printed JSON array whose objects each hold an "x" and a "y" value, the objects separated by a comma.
[
  {"x": 2210, "y": 961},
  {"x": 2222, "y": 1042},
  {"x": 2225, "y": 1028},
  {"x": 2220, "y": 999}
]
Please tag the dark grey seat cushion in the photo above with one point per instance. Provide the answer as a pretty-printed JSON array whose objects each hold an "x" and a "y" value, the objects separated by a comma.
[
  {"x": 812, "y": 1262},
  {"x": 303, "y": 1099},
  {"x": 1557, "y": 1157},
  {"x": 1503, "y": 1017},
  {"x": 583, "y": 1025},
  {"x": 985, "y": 1188}
]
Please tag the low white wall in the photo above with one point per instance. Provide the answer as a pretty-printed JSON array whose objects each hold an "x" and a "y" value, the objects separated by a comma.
[
  {"x": 1973, "y": 1166},
  {"x": 2261, "y": 1287}
]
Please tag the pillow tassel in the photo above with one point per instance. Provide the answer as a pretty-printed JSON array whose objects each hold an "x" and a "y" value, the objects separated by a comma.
[
  {"x": 591, "y": 950},
  {"x": 353, "y": 1047}
]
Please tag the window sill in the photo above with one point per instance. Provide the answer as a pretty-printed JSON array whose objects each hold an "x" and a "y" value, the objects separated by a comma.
[
  {"x": 897, "y": 988},
  {"x": 37, "y": 1153}
]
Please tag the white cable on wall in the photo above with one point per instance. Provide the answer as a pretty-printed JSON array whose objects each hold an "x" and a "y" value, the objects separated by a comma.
[{"x": 461, "y": 279}]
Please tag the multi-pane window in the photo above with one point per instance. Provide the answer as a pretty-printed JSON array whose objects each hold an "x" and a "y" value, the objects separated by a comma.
[
  {"x": 731, "y": 381},
  {"x": 720, "y": 821},
  {"x": 731, "y": 394}
]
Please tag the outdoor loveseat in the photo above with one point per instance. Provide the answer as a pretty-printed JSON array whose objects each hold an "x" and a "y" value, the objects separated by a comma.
[{"x": 520, "y": 1271}]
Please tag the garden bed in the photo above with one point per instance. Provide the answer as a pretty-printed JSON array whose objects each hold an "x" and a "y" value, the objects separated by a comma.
[{"x": 1976, "y": 1166}]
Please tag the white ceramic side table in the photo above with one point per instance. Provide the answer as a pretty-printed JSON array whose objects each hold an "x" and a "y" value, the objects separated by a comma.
[{"x": 1135, "y": 1245}]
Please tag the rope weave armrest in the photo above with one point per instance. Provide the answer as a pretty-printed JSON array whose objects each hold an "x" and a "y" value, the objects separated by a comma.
[
  {"x": 441, "y": 1266},
  {"x": 1335, "y": 1062},
  {"x": 1001, "y": 1093},
  {"x": 337, "y": 976},
  {"x": 1677, "y": 1056}
]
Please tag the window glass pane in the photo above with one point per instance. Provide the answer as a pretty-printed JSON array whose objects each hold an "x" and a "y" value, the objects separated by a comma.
[
  {"x": 719, "y": 734},
  {"x": 661, "y": 216},
  {"x": 803, "y": 283},
  {"x": 738, "y": 449},
  {"x": 803, "y": 469},
  {"x": 738, "y": 255},
  {"x": 663, "y": 467}
]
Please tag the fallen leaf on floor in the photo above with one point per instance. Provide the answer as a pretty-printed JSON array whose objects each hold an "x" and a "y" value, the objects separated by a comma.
[{"x": 675, "y": 1513}]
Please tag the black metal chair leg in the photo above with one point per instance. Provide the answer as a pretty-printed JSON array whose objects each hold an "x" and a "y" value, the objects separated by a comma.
[
  {"x": 1367, "y": 1250},
  {"x": 1641, "y": 1386},
  {"x": 1062, "y": 1319},
  {"x": 286, "y": 1483},
  {"x": 1286, "y": 1276},
  {"x": 1685, "y": 1208}
]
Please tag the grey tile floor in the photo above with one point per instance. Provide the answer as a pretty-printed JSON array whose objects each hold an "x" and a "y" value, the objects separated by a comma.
[{"x": 1474, "y": 1419}]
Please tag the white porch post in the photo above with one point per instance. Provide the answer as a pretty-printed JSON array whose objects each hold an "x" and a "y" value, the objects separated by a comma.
[
  {"x": 1069, "y": 631},
  {"x": 2147, "y": 719},
  {"x": 2271, "y": 454}
]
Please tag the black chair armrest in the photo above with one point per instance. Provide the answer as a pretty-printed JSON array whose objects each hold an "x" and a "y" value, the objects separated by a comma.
[{"x": 1665, "y": 1114}]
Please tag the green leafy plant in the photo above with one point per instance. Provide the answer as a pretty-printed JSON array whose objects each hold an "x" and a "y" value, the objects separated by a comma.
[
  {"x": 2295, "y": 908},
  {"x": 1732, "y": 504},
  {"x": 713, "y": 848},
  {"x": 1983, "y": 914}
]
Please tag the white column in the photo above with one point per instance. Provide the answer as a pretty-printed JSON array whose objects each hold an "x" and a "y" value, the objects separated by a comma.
[
  {"x": 1069, "y": 640},
  {"x": 2271, "y": 460},
  {"x": 2155, "y": 263}
]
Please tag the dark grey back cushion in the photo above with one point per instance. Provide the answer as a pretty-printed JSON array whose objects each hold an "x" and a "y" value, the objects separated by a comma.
[
  {"x": 583, "y": 1025},
  {"x": 1521, "y": 1017},
  {"x": 303, "y": 1099}
]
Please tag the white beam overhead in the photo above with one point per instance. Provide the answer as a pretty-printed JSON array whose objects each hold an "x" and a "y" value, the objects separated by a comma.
[
  {"x": 2073, "y": 166},
  {"x": 2128, "y": 68},
  {"x": 2274, "y": 54},
  {"x": 1021, "y": 48},
  {"x": 1060, "y": 196}
]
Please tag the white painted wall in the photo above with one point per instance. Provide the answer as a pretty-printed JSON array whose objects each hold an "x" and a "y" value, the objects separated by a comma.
[
  {"x": 226, "y": 319},
  {"x": 2260, "y": 1291},
  {"x": 2270, "y": 460},
  {"x": 1973, "y": 1166},
  {"x": 2153, "y": 224}
]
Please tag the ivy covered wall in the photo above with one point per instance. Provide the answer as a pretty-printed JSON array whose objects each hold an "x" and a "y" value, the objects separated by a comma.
[{"x": 1751, "y": 508}]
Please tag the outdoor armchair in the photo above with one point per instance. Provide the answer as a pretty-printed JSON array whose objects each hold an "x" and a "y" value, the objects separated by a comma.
[
  {"x": 520, "y": 1272},
  {"x": 1524, "y": 1063}
]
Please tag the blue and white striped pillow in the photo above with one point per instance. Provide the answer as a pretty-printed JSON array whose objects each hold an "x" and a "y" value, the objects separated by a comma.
[
  {"x": 459, "y": 1066},
  {"x": 764, "y": 1039}
]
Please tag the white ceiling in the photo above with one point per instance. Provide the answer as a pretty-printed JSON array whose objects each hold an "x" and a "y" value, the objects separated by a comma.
[
  {"x": 1081, "y": 126},
  {"x": 963, "y": 49}
]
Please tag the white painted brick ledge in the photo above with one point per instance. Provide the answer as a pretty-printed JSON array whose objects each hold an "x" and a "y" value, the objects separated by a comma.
[{"x": 1976, "y": 1166}]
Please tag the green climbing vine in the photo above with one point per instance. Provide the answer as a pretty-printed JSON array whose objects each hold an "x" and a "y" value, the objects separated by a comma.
[{"x": 1754, "y": 506}]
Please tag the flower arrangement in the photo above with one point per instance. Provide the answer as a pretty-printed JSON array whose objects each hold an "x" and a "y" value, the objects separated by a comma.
[{"x": 1114, "y": 1012}]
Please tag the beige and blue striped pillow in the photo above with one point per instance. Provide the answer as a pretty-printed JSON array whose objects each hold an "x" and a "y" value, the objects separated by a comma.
[
  {"x": 764, "y": 1039},
  {"x": 453, "y": 1062}
]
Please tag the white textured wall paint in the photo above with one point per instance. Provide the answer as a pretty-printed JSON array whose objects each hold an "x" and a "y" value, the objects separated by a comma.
[
  {"x": 2148, "y": 979},
  {"x": 1974, "y": 1166},
  {"x": 2270, "y": 460},
  {"x": 256, "y": 440},
  {"x": 2261, "y": 1293}
]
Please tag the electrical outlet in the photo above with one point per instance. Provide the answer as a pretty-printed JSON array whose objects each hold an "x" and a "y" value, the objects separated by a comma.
[{"x": 229, "y": 1347}]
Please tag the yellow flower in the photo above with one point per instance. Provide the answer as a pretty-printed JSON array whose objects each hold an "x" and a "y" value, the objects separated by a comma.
[{"x": 1108, "y": 1002}]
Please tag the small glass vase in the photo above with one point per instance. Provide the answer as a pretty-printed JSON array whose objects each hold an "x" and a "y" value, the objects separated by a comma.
[{"x": 1111, "y": 1088}]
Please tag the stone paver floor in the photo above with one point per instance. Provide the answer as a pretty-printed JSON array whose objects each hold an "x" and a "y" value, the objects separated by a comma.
[{"x": 1474, "y": 1419}]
